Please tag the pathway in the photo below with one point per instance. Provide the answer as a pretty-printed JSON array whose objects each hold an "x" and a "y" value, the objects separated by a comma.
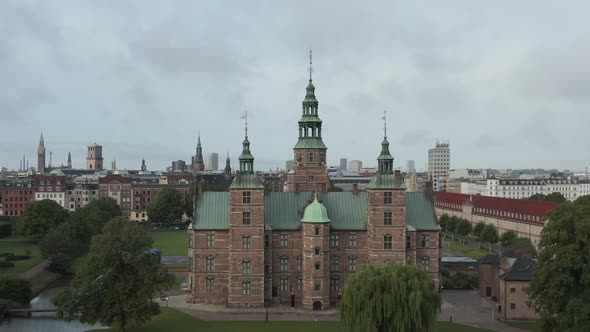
[{"x": 30, "y": 273}]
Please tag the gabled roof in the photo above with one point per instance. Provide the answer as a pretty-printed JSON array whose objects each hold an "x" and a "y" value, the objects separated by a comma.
[
  {"x": 492, "y": 259},
  {"x": 420, "y": 212},
  {"x": 523, "y": 206},
  {"x": 521, "y": 270},
  {"x": 212, "y": 211}
]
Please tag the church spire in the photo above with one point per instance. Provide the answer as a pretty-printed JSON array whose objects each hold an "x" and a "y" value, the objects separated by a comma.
[
  {"x": 227, "y": 170},
  {"x": 385, "y": 160},
  {"x": 41, "y": 142},
  {"x": 246, "y": 158},
  {"x": 198, "y": 164},
  {"x": 69, "y": 160}
]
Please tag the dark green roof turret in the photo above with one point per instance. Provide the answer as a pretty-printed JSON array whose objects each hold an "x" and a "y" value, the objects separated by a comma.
[{"x": 315, "y": 212}]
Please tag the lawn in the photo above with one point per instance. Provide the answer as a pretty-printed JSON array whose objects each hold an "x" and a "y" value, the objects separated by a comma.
[
  {"x": 43, "y": 280},
  {"x": 18, "y": 246},
  {"x": 465, "y": 249},
  {"x": 172, "y": 320},
  {"x": 528, "y": 326},
  {"x": 177, "y": 282},
  {"x": 171, "y": 243}
]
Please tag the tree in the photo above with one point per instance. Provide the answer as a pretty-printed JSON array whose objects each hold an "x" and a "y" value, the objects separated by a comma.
[
  {"x": 118, "y": 280},
  {"x": 189, "y": 203},
  {"x": 538, "y": 197},
  {"x": 478, "y": 228},
  {"x": 16, "y": 290},
  {"x": 507, "y": 238},
  {"x": 167, "y": 206},
  {"x": 524, "y": 246},
  {"x": 65, "y": 243},
  {"x": 443, "y": 220},
  {"x": 390, "y": 298},
  {"x": 559, "y": 290},
  {"x": 98, "y": 213},
  {"x": 489, "y": 234},
  {"x": 452, "y": 223},
  {"x": 463, "y": 227},
  {"x": 556, "y": 197},
  {"x": 39, "y": 218}
]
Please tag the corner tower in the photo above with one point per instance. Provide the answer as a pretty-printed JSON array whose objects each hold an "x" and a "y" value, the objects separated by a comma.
[
  {"x": 310, "y": 171},
  {"x": 386, "y": 205},
  {"x": 246, "y": 234}
]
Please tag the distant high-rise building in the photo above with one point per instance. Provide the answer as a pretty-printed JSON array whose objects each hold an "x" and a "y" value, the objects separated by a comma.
[
  {"x": 410, "y": 167},
  {"x": 439, "y": 162},
  {"x": 178, "y": 166},
  {"x": 212, "y": 162},
  {"x": 355, "y": 166},
  {"x": 343, "y": 164},
  {"x": 40, "y": 156},
  {"x": 94, "y": 157},
  {"x": 289, "y": 165}
]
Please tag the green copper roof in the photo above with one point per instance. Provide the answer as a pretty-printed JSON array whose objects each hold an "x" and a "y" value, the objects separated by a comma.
[
  {"x": 420, "y": 212},
  {"x": 284, "y": 210},
  {"x": 315, "y": 212},
  {"x": 310, "y": 119},
  {"x": 246, "y": 181},
  {"x": 384, "y": 181},
  {"x": 310, "y": 143},
  {"x": 212, "y": 211}
]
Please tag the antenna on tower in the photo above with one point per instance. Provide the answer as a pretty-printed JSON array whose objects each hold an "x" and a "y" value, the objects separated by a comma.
[
  {"x": 385, "y": 123},
  {"x": 245, "y": 118},
  {"x": 310, "y": 67}
]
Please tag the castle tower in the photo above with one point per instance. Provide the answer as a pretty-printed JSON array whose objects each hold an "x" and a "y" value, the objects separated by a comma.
[
  {"x": 310, "y": 170},
  {"x": 316, "y": 255},
  {"x": 40, "y": 156},
  {"x": 386, "y": 225},
  {"x": 94, "y": 158},
  {"x": 143, "y": 166},
  {"x": 198, "y": 164},
  {"x": 246, "y": 234},
  {"x": 69, "y": 160}
]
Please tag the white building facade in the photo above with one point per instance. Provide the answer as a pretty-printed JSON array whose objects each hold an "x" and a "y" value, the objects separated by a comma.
[
  {"x": 439, "y": 162},
  {"x": 519, "y": 189}
]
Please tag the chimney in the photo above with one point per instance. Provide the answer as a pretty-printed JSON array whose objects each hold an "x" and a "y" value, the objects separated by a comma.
[
  {"x": 397, "y": 178},
  {"x": 355, "y": 188}
]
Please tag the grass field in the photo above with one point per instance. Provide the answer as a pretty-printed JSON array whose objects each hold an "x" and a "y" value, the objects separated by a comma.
[
  {"x": 43, "y": 280},
  {"x": 467, "y": 250},
  {"x": 177, "y": 282},
  {"x": 171, "y": 243},
  {"x": 18, "y": 246},
  {"x": 172, "y": 320},
  {"x": 534, "y": 326}
]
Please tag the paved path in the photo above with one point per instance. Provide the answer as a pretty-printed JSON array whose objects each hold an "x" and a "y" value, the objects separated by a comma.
[
  {"x": 174, "y": 260},
  {"x": 34, "y": 270},
  {"x": 467, "y": 307}
]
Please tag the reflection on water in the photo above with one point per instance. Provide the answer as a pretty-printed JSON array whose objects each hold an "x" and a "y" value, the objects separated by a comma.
[{"x": 44, "y": 322}]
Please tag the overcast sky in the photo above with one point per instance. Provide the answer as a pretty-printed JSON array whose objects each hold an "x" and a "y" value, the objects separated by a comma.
[{"x": 506, "y": 82}]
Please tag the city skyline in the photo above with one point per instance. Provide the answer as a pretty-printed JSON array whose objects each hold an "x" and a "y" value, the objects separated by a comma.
[{"x": 136, "y": 72}]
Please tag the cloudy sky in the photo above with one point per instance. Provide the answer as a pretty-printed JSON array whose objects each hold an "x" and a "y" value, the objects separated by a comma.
[{"x": 506, "y": 82}]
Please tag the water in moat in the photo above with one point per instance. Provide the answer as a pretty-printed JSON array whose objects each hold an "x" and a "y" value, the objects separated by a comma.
[{"x": 44, "y": 322}]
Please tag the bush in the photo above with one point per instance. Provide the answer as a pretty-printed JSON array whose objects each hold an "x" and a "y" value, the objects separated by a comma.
[
  {"x": 5, "y": 229},
  {"x": 460, "y": 281},
  {"x": 17, "y": 290},
  {"x": 4, "y": 264},
  {"x": 489, "y": 234},
  {"x": 524, "y": 246},
  {"x": 478, "y": 228},
  {"x": 442, "y": 221},
  {"x": 6, "y": 254},
  {"x": 16, "y": 258}
]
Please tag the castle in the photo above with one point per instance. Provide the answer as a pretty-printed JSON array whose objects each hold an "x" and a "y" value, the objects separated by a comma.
[{"x": 251, "y": 248}]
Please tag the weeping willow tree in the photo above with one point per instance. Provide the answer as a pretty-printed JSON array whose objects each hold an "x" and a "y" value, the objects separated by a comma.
[{"x": 391, "y": 298}]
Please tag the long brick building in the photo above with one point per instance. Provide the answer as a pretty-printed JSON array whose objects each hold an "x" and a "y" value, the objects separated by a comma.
[{"x": 249, "y": 246}]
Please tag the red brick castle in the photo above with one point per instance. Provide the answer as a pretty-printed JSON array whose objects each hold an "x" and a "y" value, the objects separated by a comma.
[{"x": 248, "y": 247}]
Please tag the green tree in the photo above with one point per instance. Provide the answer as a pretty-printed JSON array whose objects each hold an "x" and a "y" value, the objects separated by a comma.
[
  {"x": 507, "y": 238},
  {"x": 189, "y": 203},
  {"x": 478, "y": 228},
  {"x": 98, "y": 213},
  {"x": 443, "y": 220},
  {"x": 391, "y": 298},
  {"x": 556, "y": 197},
  {"x": 39, "y": 218},
  {"x": 16, "y": 290},
  {"x": 167, "y": 206},
  {"x": 559, "y": 292},
  {"x": 65, "y": 243},
  {"x": 118, "y": 280},
  {"x": 463, "y": 227},
  {"x": 489, "y": 234},
  {"x": 524, "y": 246},
  {"x": 452, "y": 224}
]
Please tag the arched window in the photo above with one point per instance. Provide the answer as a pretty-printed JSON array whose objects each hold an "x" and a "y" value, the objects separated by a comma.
[
  {"x": 246, "y": 288},
  {"x": 246, "y": 267},
  {"x": 246, "y": 241},
  {"x": 387, "y": 242},
  {"x": 210, "y": 264}
]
